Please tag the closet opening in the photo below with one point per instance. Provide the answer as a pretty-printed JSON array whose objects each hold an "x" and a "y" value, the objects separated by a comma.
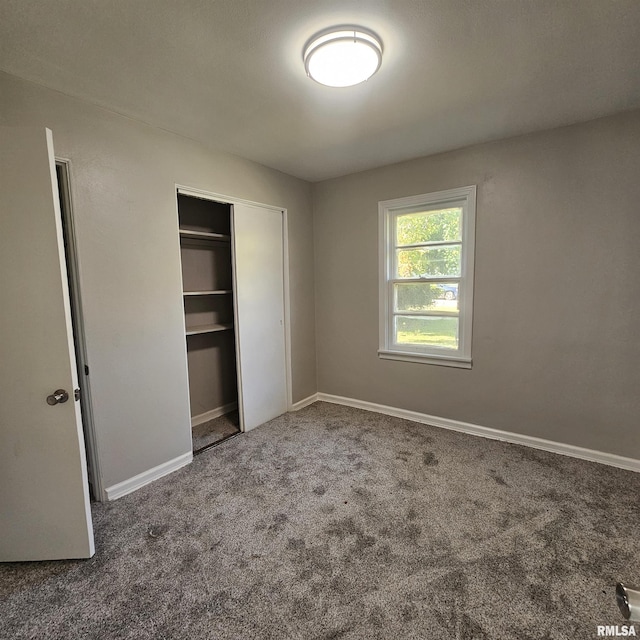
[{"x": 210, "y": 333}]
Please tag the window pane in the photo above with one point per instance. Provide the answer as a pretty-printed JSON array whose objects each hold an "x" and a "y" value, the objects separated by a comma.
[
  {"x": 428, "y": 261},
  {"x": 429, "y": 226},
  {"x": 442, "y": 296},
  {"x": 427, "y": 331}
]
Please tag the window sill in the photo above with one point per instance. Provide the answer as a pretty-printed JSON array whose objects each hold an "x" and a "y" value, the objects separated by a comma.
[{"x": 443, "y": 361}]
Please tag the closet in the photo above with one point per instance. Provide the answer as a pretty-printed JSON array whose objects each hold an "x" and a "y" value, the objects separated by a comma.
[{"x": 233, "y": 273}]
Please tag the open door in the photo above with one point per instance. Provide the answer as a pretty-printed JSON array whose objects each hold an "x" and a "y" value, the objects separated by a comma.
[
  {"x": 44, "y": 494},
  {"x": 259, "y": 304}
]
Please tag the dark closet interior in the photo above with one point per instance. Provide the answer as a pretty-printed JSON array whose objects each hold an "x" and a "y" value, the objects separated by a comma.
[{"x": 207, "y": 283}]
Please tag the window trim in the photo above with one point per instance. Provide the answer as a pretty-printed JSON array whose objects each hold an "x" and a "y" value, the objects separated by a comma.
[{"x": 387, "y": 210}]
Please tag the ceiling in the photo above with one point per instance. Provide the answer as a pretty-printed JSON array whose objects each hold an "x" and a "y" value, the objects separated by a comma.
[{"x": 229, "y": 73}]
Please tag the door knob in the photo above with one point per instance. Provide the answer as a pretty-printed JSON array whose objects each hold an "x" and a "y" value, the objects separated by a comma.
[{"x": 58, "y": 396}]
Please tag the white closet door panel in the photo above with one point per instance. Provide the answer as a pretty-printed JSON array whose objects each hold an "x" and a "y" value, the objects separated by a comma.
[
  {"x": 259, "y": 301},
  {"x": 44, "y": 496}
]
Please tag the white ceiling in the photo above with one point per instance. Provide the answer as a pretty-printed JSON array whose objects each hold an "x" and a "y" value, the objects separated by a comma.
[{"x": 229, "y": 72}]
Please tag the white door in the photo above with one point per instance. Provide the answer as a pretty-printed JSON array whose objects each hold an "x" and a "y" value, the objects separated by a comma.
[
  {"x": 259, "y": 304},
  {"x": 44, "y": 495}
]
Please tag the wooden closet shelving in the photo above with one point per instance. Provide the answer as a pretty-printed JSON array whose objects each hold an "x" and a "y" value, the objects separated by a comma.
[
  {"x": 216, "y": 292},
  {"x": 205, "y": 233},
  {"x": 208, "y": 328},
  {"x": 207, "y": 236}
]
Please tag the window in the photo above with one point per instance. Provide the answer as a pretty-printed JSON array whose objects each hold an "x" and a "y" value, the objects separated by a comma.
[{"x": 426, "y": 277}]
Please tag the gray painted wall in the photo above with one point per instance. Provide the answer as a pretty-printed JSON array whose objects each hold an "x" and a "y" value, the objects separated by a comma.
[
  {"x": 556, "y": 343},
  {"x": 123, "y": 183}
]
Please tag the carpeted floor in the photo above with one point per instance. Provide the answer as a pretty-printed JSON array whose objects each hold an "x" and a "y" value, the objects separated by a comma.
[
  {"x": 339, "y": 523},
  {"x": 219, "y": 428}
]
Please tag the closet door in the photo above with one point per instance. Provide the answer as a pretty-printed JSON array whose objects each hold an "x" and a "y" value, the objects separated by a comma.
[{"x": 259, "y": 309}]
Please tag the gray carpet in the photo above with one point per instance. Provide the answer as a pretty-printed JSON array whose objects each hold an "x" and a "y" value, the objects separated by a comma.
[
  {"x": 339, "y": 523},
  {"x": 219, "y": 428}
]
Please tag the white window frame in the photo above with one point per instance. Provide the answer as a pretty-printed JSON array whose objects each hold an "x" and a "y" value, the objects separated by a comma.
[{"x": 464, "y": 197}]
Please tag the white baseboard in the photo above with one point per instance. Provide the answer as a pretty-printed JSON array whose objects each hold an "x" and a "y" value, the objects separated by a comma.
[
  {"x": 611, "y": 459},
  {"x": 214, "y": 413},
  {"x": 304, "y": 403},
  {"x": 132, "y": 484}
]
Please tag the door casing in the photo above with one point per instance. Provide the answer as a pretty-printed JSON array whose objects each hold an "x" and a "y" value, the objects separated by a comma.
[{"x": 73, "y": 273}]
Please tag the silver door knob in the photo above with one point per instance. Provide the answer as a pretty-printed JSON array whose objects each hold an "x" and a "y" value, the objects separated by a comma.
[
  {"x": 58, "y": 396},
  {"x": 628, "y": 602}
]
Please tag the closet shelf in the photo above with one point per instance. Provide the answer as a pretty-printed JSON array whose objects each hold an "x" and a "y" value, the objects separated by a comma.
[
  {"x": 218, "y": 292},
  {"x": 208, "y": 328},
  {"x": 187, "y": 234}
]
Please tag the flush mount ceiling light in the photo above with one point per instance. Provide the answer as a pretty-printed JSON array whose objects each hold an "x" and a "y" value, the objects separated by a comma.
[{"x": 343, "y": 56}]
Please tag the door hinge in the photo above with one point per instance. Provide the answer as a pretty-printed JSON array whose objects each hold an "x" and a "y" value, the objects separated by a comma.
[
  {"x": 76, "y": 394},
  {"x": 86, "y": 370}
]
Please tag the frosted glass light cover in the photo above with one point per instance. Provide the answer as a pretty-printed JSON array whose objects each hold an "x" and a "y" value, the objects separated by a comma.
[{"x": 343, "y": 58}]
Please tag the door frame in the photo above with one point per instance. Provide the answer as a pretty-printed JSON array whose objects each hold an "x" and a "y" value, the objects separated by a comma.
[
  {"x": 79, "y": 336},
  {"x": 231, "y": 200}
]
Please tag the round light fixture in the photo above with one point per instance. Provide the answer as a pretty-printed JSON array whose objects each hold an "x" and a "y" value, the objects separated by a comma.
[{"x": 342, "y": 57}]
